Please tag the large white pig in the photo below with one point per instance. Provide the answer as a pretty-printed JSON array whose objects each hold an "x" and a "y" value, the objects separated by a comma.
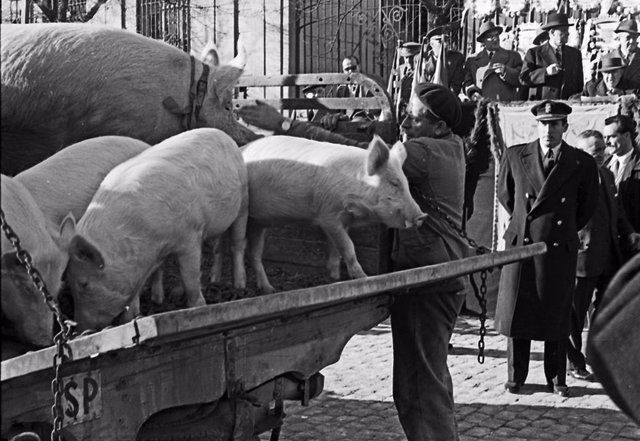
[
  {"x": 26, "y": 316},
  {"x": 67, "y": 181},
  {"x": 329, "y": 185},
  {"x": 167, "y": 200},
  {"x": 66, "y": 82}
]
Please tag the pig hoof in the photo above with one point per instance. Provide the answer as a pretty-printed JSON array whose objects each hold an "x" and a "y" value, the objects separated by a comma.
[
  {"x": 198, "y": 302},
  {"x": 267, "y": 289}
]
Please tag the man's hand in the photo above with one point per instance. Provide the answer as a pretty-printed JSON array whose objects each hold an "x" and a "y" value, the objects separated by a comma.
[
  {"x": 330, "y": 120},
  {"x": 634, "y": 241},
  {"x": 553, "y": 69},
  {"x": 498, "y": 68},
  {"x": 262, "y": 116}
]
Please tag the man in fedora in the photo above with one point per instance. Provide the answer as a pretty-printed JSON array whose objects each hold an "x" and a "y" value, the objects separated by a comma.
[
  {"x": 553, "y": 68},
  {"x": 455, "y": 60},
  {"x": 541, "y": 37},
  {"x": 493, "y": 71},
  {"x": 550, "y": 190},
  {"x": 627, "y": 37},
  {"x": 612, "y": 70}
]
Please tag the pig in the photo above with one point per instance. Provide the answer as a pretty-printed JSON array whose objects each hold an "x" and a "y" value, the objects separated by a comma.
[
  {"x": 65, "y": 183},
  {"x": 26, "y": 317},
  {"x": 66, "y": 82},
  {"x": 328, "y": 185},
  {"x": 167, "y": 200}
]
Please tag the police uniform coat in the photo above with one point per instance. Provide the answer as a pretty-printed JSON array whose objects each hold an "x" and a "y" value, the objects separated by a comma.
[
  {"x": 494, "y": 86},
  {"x": 535, "y": 296},
  {"x": 560, "y": 86}
]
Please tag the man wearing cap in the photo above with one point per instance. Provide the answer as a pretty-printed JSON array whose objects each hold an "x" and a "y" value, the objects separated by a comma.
[
  {"x": 627, "y": 37},
  {"x": 493, "y": 71},
  {"x": 408, "y": 52},
  {"x": 553, "y": 68},
  {"x": 550, "y": 191},
  {"x": 423, "y": 318},
  {"x": 455, "y": 60},
  {"x": 619, "y": 134},
  {"x": 612, "y": 70}
]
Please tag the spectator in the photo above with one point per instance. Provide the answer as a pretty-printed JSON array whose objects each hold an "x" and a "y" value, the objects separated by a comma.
[
  {"x": 423, "y": 319},
  {"x": 493, "y": 72},
  {"x": 619, "y": 133},
  {"x": 612, "y": 70},
  {"x": 627, "y": 37},
  {"x": 549, "y": 190},
  {"x": 455, "y": 61},
  {"x": 553, "y": 68},
  {"x": 406, "y": 71},
  {"x": 599, "y": 254}
]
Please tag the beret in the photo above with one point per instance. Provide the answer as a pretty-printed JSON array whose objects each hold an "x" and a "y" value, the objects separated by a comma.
[
  {"x": 441, "y": 102},
  {"x": 551, "y": 110}
]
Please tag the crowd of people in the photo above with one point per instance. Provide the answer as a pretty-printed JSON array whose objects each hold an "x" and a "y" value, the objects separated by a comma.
[{"x": 583, "y": 204}]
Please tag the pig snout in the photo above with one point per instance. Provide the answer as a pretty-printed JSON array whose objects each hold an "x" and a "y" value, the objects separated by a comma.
[{"x": 415, "y": 222}]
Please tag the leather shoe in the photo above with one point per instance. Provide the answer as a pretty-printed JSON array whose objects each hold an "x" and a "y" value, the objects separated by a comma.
[
  {"x": 581, "y": 374},
  {"x": 563, "y": 391},
  {"x": 512, "y": 387}
]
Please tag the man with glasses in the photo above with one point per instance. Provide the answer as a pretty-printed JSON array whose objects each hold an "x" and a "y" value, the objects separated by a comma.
[
  {"x": 553, "y": 69},
  {"x": 493, "y": 72},
  {"x": 422, "y": 319}
]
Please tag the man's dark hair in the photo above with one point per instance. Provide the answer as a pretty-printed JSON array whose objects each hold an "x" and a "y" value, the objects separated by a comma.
[
  {"x": 625, "y": 124},
  {"x": 590, "y": 133}
]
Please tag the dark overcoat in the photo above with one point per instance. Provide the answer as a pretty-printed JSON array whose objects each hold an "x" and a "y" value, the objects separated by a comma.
[
  {"x": 629, "y": 189},
  {"x": 631, "y": 76},
  {"x": 535, "y": 296},
  {"x": 599, "y": 88},
  {"x": 560, "y": 86},
  {"x": 494, "y": 86}
]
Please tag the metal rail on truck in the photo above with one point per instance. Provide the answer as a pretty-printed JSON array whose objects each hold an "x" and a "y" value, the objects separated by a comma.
[{"x": 122, "y": 377}]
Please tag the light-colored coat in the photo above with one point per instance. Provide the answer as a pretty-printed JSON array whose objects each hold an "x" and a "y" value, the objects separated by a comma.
[
  {"x": 328, "y": 185},
  {"x": 167, "y": 200},
  {"x": 25, "y": 315},
  {"x": 66, "y": 82}
]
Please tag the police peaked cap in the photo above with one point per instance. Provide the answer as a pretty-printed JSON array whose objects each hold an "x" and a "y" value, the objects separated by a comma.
[{"x": 551, "y": 110}]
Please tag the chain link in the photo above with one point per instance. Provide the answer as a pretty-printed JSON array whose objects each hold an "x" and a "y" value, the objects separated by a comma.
[
  {"x": 482, "y": 296},
  {"x": 61, "y": 339}
]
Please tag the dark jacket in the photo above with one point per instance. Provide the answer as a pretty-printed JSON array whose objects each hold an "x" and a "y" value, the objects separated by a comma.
[
  {"x": 599, "y": 251},
  {"x": 629, "y": 190},
  {"x": 598, "y": 88},
  {"x": 560, "y": 86},
  {"x": 494, "y": 86},
  {"x": 535, "y": 296},
  {"x": 455, "y": 70},
  {"x": 631, "y": 76}
]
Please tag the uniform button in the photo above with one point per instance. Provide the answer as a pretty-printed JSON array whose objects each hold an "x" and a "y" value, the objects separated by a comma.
[
  {"x": 527, "y": 240},
  {"x": 555, "y": 244},
  {"x": 529, "y": 217},
  {"x": 526, "y": 195},
  {"x": 559, "y": 222},
  {"x": 563, "y": 200}
]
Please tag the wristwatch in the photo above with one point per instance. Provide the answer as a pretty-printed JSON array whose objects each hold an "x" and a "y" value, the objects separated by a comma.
[{"x": 285, "y": 125}]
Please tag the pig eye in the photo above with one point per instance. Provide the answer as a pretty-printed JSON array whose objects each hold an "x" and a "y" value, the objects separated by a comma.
[{"x": 394, "y": 183}]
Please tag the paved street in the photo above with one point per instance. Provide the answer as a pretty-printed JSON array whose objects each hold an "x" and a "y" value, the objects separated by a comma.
[{"x": 357, "y": 404}]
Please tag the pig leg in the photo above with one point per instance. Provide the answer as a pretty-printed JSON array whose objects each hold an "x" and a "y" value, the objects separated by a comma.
[
  {"x": 157, "y": 290},
  {"x": 215, "y": 275},
  {"x": 256, "y": 234},
  {"x": 238, "y": 245},
  {"x": 333, "y": 261},
  {"x": 189, "y": 261},
  {"x": 341, "y": 240}
]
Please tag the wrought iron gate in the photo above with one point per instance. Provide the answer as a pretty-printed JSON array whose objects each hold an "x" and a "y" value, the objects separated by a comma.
[{"x": 167, "y": 20}]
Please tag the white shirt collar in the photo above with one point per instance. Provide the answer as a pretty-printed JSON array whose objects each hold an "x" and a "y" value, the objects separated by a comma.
[
  {"x": 555, "y": 150},
  {"x": 623, "y": 159}
]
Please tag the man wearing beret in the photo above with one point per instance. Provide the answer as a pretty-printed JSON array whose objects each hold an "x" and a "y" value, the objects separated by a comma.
[
  {"x": 612, "y": 70},
  {"x": 627, "y": 37},
  {"x": 494, "y": 71},
  {"x": 553, "y": 68},
  {"x": 423, "y": 318},
  {"x": 550, "y": 191}
]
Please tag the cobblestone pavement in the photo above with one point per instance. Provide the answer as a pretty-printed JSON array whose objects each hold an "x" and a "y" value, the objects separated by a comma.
[{"x": 357, "y": 405}]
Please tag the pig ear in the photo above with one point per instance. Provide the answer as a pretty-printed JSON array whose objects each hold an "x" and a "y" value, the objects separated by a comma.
[
  {"x": 209, "y": 54},
  {"x": 67, "y": 231},
  {"x": 378, "y": 155},
  {"x": 399, "y": 151},
  {"x": 225, "y": 78},
  {"x": 82, "y": 250}
]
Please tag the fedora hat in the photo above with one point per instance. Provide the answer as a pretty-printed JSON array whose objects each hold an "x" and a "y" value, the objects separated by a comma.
[
  {"x": 541, "y": 34},
  {"x": 409, "y": 49},
  {"x": 609, "y": 64},
  {"x": 628, "y": 26},
  {"x": 486, "y": 28},
  {"x": 556, "y": 20}
]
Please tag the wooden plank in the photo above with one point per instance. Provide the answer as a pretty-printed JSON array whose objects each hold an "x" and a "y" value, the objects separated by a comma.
[{"x": 312, "y": 103}]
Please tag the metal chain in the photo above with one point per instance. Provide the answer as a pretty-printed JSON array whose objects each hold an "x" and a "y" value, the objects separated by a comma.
[
  {"x": 482, "y": 297},
  {"x": 61, "y": 339}
]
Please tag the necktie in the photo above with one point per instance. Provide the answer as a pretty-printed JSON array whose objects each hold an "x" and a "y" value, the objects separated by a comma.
[
  {"x": 548, "y": 162},
  {"x": 616, "y": 170},
  {"x": 559, "y": 55},
  {"x": 490, "y": 56}
]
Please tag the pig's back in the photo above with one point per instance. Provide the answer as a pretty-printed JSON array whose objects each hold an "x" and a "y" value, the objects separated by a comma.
[
  {"x": 192, "y": 180},
  {"x": 67, "y": 181}
]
